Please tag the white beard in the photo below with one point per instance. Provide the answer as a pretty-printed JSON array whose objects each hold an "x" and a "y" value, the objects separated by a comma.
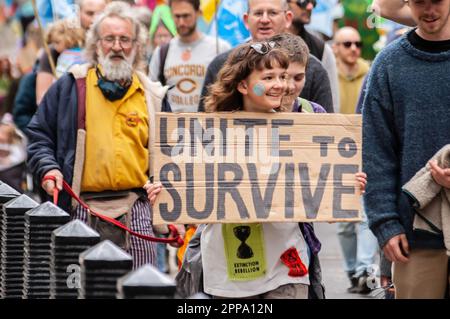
[{"x": 117, "y": 70}]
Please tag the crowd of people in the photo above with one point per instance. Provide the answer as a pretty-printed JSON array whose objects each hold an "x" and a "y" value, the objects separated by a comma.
[{"x": 84, "y": 110}]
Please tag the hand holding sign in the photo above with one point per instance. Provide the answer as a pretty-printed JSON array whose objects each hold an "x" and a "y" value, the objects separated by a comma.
[
  {"x": 361, "y": 179},
  {"x": 153, "y": 189}
]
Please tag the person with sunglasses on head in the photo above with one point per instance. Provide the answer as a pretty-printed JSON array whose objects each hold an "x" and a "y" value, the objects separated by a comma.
[
  {"x": 253, "y": 79},
  {"x": 264, "y": 19},
  {"x": 302, "y": 10},
  {"x": 258, "y": 77}
]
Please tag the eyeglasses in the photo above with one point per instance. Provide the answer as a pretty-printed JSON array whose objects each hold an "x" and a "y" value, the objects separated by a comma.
[
  {"x": 270, "y": 13},
  {"x": 124, "y": 42},
  {"x": 304, "y": 3},
  {"x": 263, "y": 47},
  {"x": 348, "y": 44}
]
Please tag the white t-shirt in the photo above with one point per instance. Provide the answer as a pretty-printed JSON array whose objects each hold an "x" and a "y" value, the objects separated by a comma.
[
  {"x": 278, "y": 237},
  {"x": 185, "y": 69}
]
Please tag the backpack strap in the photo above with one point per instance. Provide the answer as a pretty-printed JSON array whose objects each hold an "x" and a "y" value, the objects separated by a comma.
[
  {"x": 306, "y": 106},
  {"x": 165, "y": 105},
  {"x": 163, "y": 50}
]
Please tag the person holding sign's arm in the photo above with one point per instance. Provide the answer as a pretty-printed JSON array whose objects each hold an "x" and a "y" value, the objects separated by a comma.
[
  {"x": 395, "y": 10},
  {"x": 264, "y": 260}
]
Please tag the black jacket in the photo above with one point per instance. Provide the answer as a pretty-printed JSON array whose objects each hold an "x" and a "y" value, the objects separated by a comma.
[
  {"x": 52, "y": 132},
  {"x": 25, "y": 101},
  {"x": 316, "y": 45}
]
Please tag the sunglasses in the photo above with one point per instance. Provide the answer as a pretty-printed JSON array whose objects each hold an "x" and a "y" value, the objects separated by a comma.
[
  {"x": 304, "y": 3},
  {"x": 263, "y": 47},
  {"x": 348, "y": 44}
]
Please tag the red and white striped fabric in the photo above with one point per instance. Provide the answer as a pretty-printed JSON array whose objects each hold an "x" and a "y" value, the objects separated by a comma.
[{"x": 142, "y": 251}]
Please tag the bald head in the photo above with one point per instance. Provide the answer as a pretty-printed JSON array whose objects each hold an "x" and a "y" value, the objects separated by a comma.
[
  {"x": 347, "y": 45},
  {"x": 345, "y": 33},
  {"x": 89, "y": 9}
]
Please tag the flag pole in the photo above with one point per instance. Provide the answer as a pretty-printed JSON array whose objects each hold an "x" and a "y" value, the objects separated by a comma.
[
  {"x": 216, "y": 7},
  {"x": 41, "y": 29}
]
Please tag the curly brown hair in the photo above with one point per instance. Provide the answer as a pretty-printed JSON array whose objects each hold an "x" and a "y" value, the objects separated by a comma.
[
  {"x": 69, "y": 30},
  {"x": 223, "y": 95}
]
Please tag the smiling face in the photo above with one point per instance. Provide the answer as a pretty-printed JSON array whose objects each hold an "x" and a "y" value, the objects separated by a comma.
[
  {"x": 267, "y": 18},
  {"x": 263, "y": 90},
  {"x": 295, "y": 83},
  {"x": 432, "y": 18}
]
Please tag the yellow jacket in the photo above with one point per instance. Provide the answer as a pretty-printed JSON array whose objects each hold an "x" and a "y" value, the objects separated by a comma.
[
  {"x": 350, "y": 87},
  {"x": 154, "y": 94}
]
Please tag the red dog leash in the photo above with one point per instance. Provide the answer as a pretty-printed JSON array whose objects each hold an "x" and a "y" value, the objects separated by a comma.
[{"x": 173, "y": 231}]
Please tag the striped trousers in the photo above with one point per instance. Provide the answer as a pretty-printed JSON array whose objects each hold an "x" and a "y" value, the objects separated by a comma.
[{"x": 142, "y": 251}]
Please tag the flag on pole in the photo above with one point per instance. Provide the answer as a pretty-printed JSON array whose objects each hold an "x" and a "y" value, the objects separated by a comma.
[
  {"x": 162, "y": 14},
  {"x": 208, "y": 8},
  {"x": 229, "y": 24},
  {"x": 53, "y": 10}
]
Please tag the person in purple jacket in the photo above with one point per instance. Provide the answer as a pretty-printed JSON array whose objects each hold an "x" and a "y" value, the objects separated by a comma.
[{"x": 298, "y": 59}]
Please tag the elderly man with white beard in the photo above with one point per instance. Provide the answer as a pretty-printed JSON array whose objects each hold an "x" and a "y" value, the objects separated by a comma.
[{"x": 94, "y": 129}]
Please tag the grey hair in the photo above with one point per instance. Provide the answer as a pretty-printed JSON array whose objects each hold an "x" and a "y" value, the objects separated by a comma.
[
  {"x": 122, "y": 11},
  {"x": 284, "y": 5}
]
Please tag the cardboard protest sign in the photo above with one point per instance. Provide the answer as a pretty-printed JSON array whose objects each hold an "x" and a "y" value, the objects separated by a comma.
[{"x": 256, "y": 167}]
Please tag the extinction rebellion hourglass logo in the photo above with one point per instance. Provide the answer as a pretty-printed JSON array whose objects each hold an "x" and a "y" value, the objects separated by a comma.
[
  {"x": 242, "y": 233},
  {"x": 244, "y": 250}
]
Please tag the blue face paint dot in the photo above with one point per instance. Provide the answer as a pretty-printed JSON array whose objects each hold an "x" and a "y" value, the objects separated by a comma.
[{"x": 259, "y": 89}]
